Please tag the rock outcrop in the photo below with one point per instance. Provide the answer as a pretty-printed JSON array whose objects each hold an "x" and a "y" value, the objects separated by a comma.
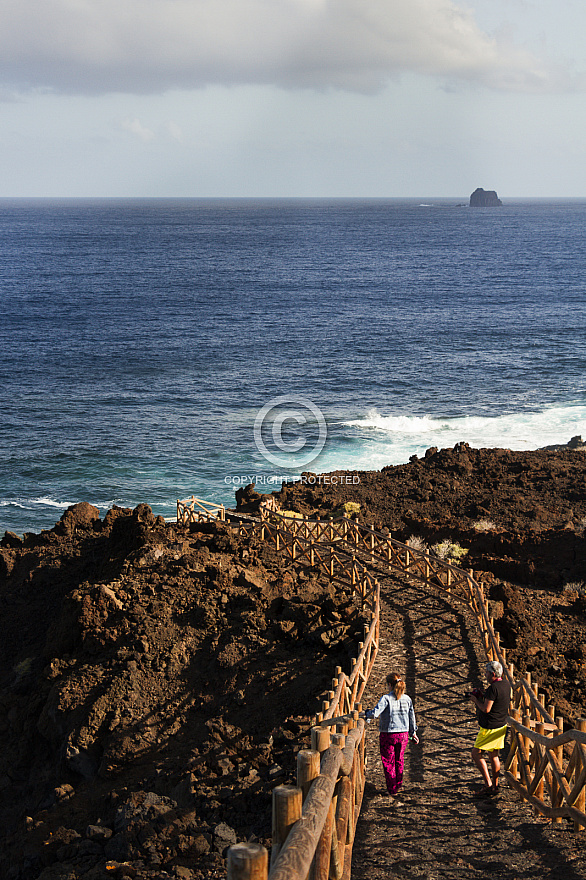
[
  {"x": 155, "y": 682},
  {"x": 484, "y": 198}
]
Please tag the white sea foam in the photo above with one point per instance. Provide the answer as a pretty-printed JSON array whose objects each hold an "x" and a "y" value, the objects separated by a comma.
[
  {"x": 379, "y": 440},
  {"x": 35, "y": 503},
  {"x": 49, "y": 502}
]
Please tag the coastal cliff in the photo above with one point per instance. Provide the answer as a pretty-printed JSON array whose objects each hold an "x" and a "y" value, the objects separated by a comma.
[{"x": 156, "y": 681}]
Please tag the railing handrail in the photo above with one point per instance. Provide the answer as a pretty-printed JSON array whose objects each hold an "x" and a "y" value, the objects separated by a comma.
[{"x": 528, "y": 773}]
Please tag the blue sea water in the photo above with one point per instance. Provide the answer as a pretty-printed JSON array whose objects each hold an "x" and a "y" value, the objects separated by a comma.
[{"x": 140, "y": 339}]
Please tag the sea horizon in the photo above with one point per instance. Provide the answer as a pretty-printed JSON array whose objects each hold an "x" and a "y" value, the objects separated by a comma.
[{"x": 142, "y": 338}]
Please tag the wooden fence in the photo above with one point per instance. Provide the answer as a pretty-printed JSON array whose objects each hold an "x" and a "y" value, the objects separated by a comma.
[
  {"x": 545, "y": 765},
  {"x": 194, "y": 510}
]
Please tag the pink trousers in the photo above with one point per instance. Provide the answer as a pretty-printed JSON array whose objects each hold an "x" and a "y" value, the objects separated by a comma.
[{"x": 392, "y": 753}]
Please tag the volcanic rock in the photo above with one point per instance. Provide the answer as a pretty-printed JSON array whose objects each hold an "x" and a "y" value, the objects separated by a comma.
[{"x": 484, "y": 198}]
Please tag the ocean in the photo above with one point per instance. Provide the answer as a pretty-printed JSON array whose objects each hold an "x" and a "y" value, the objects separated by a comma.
[{"x": 156, "y": 349}]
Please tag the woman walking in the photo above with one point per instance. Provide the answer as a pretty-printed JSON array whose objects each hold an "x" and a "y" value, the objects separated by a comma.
[
  {"x": 397, "y": 723},
  {"x": 493, "y": 709}
]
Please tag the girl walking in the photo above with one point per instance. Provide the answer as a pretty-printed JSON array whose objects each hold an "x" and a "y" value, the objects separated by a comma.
[{"x": 397, "y": 723}]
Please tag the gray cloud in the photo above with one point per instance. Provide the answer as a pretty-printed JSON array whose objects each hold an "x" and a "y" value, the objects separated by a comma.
[{"x": 148, "y": 46}]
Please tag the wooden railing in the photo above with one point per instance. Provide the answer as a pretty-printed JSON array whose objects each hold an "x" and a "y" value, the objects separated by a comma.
[
  {"x": 194, "y": 510},
  {"x": 314, "y": 822},
  {"x": 545, "y": 765}
]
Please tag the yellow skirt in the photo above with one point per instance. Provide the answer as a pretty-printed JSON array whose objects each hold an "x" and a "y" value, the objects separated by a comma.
[{"x": 489, "y": 740}]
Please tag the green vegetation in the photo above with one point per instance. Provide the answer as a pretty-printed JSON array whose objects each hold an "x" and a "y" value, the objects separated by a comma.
[{"x": 448, "y": 550}]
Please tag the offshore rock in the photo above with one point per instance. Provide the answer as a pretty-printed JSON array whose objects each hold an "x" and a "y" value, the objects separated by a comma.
[{"x": 484, "y": 198}]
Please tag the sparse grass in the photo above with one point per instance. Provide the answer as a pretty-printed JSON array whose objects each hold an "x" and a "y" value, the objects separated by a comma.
[
  {"x": 291, "y": 514},
  {"x": 351, "y": 508},
  {"x": 449, "y": 550},
  {"x": 484, "y": 525},
  {"x": 578, "y": 587},
  {"x": 417, "y": 543}
]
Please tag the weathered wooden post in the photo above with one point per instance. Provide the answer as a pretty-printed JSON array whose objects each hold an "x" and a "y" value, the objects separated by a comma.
[
  {"x": 320, "y": 739},
  {"x": 580, "y": 802},
  {"x": 247, "y": 861},
  {"x": 556, "y": 800},
  {"x": 287, "y": 806},
  {"x": 540, "y": 787},
  {"x": 527, "y": 746},
  {"x": 526, "y": 700},
  {"x": 307, "y": 769},
  {"x": 339, "y": 740},
  {"x": 513, "y": 766},
  {"x": 321, "y": 860},
  {"x": 354, "y": 571}
]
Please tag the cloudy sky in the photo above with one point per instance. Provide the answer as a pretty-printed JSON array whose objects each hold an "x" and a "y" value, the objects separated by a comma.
[{"x": 325, "y": 98}]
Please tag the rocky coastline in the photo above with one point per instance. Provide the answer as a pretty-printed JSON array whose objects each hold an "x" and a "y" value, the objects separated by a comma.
[{"x": 154, "y": 679}]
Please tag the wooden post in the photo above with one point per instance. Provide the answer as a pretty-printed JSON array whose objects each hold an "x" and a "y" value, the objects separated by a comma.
[
  {"x": 513, "y": 769},
  {"x": 320, "y": 739},
  {"x": 321, "y": 861},
  {"x": 580, "y": 802},
  {"x": 287, "y": 805},
  {"x": 540, "y": 787},
  {"x": 343, "y": 808},
  {"x": 338, "y": 739},
  {"x": 526, "y": 700},
  {"x": 559, "y": 755},
  {"x": 527, "y": 743},
  {"x": 337, "y": 857},
  {"x": 307, "y": 769},
  {"x": 247, "y": 861}
]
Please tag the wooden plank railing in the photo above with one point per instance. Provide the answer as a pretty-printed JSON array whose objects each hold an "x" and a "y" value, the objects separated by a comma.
[
  {"x": 545, "y": 765},
  {"x": 194, "y": 510}
]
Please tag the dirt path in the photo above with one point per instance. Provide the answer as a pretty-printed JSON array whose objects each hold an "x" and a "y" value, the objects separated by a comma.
[{"x": 442, "y": 831}]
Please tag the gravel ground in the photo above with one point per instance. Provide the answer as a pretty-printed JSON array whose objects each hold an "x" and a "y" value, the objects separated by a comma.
[{"x": 443, "y": 831}]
